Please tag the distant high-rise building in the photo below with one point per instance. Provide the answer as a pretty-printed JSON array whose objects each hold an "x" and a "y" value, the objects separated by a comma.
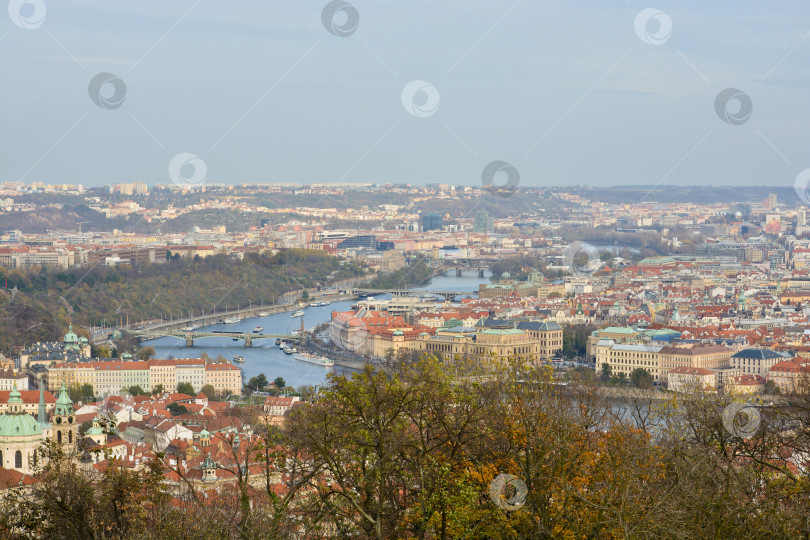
[
  {"x": 801, "y": 218},
  {"x": 483, "y": 223},
  {"x": 432, "y": 221},
  {"x": 770, "y": 202}
]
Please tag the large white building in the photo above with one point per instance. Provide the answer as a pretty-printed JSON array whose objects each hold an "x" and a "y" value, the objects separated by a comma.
[{"x": 758, "y": 361}]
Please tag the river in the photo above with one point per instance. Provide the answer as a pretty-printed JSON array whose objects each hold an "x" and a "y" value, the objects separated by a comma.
[{"x": 265, "y": 357}]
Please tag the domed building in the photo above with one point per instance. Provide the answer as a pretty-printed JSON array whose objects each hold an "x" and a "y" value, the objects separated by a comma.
[
  {"x": 21, "y": 434},
  {"x": 71, "y": 341}
]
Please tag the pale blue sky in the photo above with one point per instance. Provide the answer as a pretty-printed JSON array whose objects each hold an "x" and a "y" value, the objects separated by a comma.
[{"x": 565, "y": 91}]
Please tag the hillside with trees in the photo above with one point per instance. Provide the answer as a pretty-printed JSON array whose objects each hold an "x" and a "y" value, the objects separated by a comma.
[{"x": 46, "y": 299}]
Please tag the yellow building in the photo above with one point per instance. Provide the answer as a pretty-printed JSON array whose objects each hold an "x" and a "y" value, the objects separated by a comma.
[{"x": 493, "y": 343}]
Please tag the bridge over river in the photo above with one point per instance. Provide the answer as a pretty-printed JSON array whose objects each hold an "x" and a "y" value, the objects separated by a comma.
[
  {"x": 247, "y": 337},
  {"x": 410, "y": 292}
]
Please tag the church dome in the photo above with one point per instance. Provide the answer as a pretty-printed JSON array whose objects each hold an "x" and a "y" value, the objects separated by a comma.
[
  {"x": 70, "y": 337},
  {"x": 16, "y": 422},
  {"x": 506, "y": 275},
  {"x": 19, "y": 425}
]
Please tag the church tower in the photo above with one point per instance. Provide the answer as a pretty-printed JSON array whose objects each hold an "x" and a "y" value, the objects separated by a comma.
[{"x": 64, "y": 421}]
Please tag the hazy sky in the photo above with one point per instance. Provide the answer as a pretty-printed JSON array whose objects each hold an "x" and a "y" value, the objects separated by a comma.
[{"x": 567, "y": 92}]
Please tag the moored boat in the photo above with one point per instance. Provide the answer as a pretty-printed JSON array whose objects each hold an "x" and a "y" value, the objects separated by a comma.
[
  {"x": 238, "y": 358},
  {"x": 314, "y": 359}
]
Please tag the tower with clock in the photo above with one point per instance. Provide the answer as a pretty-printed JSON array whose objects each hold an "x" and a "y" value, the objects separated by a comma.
[{"x": 63, "y": 423}]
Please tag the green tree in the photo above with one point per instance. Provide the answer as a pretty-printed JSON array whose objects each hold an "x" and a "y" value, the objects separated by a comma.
[
  {"x": 87, "y": 391},
  {"x": 209, "y": 391},
  {"x": 177, "y": 409},
  {"x": 157, "y": 389},
  {"x": 259, "y": 382},
  {"x": 607, "y": 371},
  {"x": 145, "y": 353},
  {"x": 185, "y": 388},
  {"x": 305, "y": 295},
  {"x": 136, "y": 390},
  {"x": 279, "y": 382},
  {"x": 641, "y": 378}
]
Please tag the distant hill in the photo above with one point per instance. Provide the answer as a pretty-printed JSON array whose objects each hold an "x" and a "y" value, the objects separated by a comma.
[{"x": 68, "y": 218}]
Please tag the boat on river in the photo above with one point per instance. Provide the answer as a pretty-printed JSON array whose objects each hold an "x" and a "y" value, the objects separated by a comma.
[{"x": 314, "y": 359}]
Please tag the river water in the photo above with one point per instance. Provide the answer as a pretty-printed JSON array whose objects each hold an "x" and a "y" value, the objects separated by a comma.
[{"x": 265, "y": 357}]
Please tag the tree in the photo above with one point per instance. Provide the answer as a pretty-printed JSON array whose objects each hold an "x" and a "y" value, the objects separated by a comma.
[
  {"x": 209, "y": 391},
  {"x": 279, "y": 382},
  {"x": 136, "y": 390},
  {"x": 87, "y": 391},
  {"x": 177, "y": 409},
  {"x": 641, "y": 378},
  {"x": 258, "y": 382},
  {"x": 84, "y": 426},
  {"x": 606, "y": 371},
  {"x": 157, "y": 389},
  {"x": 99, "y": 351},
  {"x": 185, "y": 388},
  {"x": 145, "y": 353},
  {"x": 305, "y": 295}
]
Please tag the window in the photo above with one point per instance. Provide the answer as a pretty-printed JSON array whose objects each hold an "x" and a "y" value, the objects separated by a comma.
[{"x": 18, "y": 460}]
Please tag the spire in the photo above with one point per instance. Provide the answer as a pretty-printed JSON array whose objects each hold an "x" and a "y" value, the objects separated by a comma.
[{"x": 41, "y": 417}]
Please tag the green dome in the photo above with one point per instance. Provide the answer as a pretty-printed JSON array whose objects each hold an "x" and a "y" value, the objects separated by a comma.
[
  {"x": 19, "y": 425},
  {"x": 506, "y": 275},
  {"x": 70, "y": 337},
  {"x": 64, "y": 405},
  {"x": 209, "y": 463}
]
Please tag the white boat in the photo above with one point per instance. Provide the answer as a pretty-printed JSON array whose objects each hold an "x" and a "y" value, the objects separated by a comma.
[
  {"x": 264, "y": 314},
  {"x": 192, "y": 328},
  {"x": 314, "y": 359},
  {"x": 288, "y": 350},
  {"x": 258, "y": 329},
  {"x": 239, "y": 358},
  {"x": 232, "y": 320},
  {"x": 296, "y": 332},
  {"x": 299, "y": 313},
  {"x": 319, "y": 304}
]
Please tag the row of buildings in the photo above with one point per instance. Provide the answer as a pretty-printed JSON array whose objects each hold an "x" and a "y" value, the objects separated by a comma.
[
  {"x": 686, "y": 365},
  {"x": 109, "y": 377}
]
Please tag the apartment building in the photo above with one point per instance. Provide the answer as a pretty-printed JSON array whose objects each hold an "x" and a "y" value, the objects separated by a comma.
[
  {"x": 13, "y": 379},
  {"x": 191, "y": 370},
  {"x": 695, "y": 356},
  {"x": 225, "y": 378},
  {"x": 109, "y": 377}
]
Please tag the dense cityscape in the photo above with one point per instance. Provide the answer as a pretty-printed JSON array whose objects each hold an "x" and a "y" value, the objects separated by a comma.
[
  {"x": 321, "y": 269},
  {"x": 665, "y": 314}
]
